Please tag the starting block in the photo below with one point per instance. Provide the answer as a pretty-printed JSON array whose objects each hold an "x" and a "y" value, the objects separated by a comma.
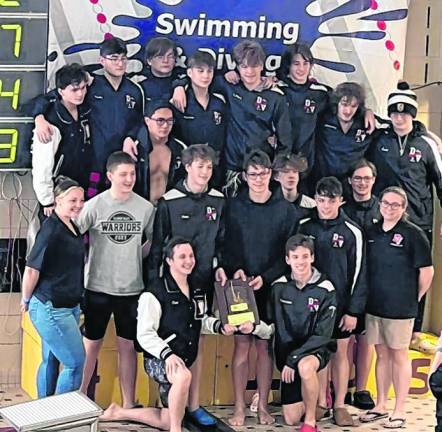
[{"x": 64, "y": 412}]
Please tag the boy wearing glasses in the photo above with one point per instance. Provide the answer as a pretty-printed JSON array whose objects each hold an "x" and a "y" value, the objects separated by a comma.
[
  {"x": 340, "y": 254},
  {"x": 258, "y": 224},
  {"x": 400, "y": 272},
  {"x": 116, "y": 110},
  {"x": 159, "y": 164}
]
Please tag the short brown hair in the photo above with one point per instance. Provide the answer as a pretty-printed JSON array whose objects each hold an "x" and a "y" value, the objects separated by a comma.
[
  {"x": 348, "y": 90},
  {"x": 299, "y": 240},
  {"x": 159, "y": 46},
  {"x": 118, "y": 158},
  {"x": 290, "y": 161},
  {"x": 199, "y": 151},
  {"x": 249, "y": 52},
  {"x": 256, "y": 158}
]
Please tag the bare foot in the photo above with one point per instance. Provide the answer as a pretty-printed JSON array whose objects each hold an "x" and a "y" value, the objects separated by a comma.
[
  {"x": 264, "y": 418},
  {"x": 111, "y": 413},
  {"x": 238, "y": 418}
]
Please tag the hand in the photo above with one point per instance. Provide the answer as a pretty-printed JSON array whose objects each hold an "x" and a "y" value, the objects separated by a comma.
[
  {"x": 273, "y": 141},
  {"x": 256, "y": 283},
  {"x": 369, "y": 121},
  {"x": 268, "y": 82},
  {"x": 220, "y": 276},
  {"x": 173, "y": 362},
  {"x": 232, "y": 77},
  {"x": 239, "y": 274},
  {"x": 130, "y": 147},
  {"x": 90, "y": 79},
  {"x": 24, "y": 306},
  {"x": 287, "y": 374},
  {"x": 179, "y": 98},
  {"x": 348, "y": 323},
  {"x": 47, "y": 211},
  {"x": 246, "y": 328},
  {"x": 43, "y": 129},
  {"x": 228, "y": 330}
]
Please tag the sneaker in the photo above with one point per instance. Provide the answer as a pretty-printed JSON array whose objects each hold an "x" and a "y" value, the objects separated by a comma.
[
  {"x": 363, "y": 400},
  {"x": 202, "y": 417},
  {"x": 307, "y": 428}
]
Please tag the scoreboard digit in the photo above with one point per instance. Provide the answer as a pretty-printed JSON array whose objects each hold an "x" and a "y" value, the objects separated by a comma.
[{"x": 23, "y": 51}]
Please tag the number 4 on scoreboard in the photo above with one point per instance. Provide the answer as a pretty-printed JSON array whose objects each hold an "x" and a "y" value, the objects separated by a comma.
[{"x": 10, "y": 146}]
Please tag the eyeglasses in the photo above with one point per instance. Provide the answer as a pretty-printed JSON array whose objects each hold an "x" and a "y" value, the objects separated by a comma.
[
  {"x": 161, "y": 121},
  {"x": 255, "y": 176},
  {"x": 115, "y": 59},
  {"x": 358, "y": 179},
  {"x": 167, "y": 57},
  {"x": 393, "y": 206}
]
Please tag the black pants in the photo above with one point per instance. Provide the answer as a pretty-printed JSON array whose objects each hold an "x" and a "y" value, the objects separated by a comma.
[
  {"x": 436, "y": 388},
  {"x": 421, "y": 307}
]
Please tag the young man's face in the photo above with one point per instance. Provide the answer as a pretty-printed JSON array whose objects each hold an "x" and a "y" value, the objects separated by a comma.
[
  {"x": 74, "y": 94},
  {"x": 328, "y": 208},
  {"x": 300, "y": 261},
  {"x": 201, "y": 76},
  {"x": 160, "y": 123},
  {"x": 258, "y": 178},
  {"x": 114, "y": 64},
  {"x": 402, "y": 122},
  {"x": 347, "y": 108},
  {"x": 183, "y": 260},
  {"x": 289, "y": 178},
  {"x": 162, "y": 65},
  {"x": 122, "y": 178},
  {"x": 250, "y": 75},
  {"x": 199, "y": 172},
  {"x": 392, "y": 207},
  {"x": 362, "y": 181},
  {"x": 300, "y": 69}
]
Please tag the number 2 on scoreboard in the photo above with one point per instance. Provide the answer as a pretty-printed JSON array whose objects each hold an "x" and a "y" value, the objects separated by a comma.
[{"x": 11, "y": 146}]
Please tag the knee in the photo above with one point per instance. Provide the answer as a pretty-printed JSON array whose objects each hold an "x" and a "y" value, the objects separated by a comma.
[
  {"x": 306, "y": 369},
  {"x": 400, "y": 356},
  {"x": 183, "y": 378}
]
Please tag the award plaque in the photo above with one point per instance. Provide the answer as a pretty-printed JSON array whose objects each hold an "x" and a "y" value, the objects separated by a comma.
[{"x": 236, "y": 302}]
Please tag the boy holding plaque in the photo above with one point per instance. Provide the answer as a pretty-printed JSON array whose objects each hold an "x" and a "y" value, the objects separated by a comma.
[
  {"x": 303, "y": 309},
  {"x": 258, "y": 223}
]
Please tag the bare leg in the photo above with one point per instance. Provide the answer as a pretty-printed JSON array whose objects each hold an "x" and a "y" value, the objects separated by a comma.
[
  {"x": 308, "y": 371},
  {"x": 92, "y": 348},
  {"x": 383, "y": 377},
  {"x": 127, "y": 370},
  {"x": 178, "y": 395},
  {"x": 264, "y": 372},
  {"x": 155, "y": 417},
  {"x": 323, "y": 376},
  {"x": 196, "y": 369},
  {"x": 340, "y": 372},
  {"x": 401, "y": 374},
  {"x": 364, "y": 356},
  {"x": 240, "y": 375}
]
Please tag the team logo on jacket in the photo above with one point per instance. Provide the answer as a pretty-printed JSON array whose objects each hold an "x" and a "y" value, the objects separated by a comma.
[
  {"x": 309, "y": 106},
  {"x": 337, "y": 240},
  {"x": 217, "y": 117},
  {"x": 313, "y": 304},
  {"x": 360, "y": 135},
  {"x": 121, "y": 227},
  {"x": 415, "y": 154},
  {"x": 397, "y": 240},
  {"x": 130, "y": 101},
  {"x": 261, "y": 103},
  {"x": 211, "y": 214},
  {"x": 200, "y": 306}
]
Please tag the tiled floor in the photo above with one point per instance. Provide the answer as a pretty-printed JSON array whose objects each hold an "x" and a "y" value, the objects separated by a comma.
[{"x": 420, "y": 418}]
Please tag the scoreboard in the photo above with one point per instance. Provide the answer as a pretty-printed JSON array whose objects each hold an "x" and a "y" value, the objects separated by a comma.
[{"x": 23, "y": 52}]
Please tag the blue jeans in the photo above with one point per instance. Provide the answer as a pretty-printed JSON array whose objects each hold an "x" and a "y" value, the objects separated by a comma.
[{"x": 61, "y": 343}]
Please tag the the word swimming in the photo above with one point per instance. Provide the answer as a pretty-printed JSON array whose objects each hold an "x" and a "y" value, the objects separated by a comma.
[{"x": 203, "y": 26}]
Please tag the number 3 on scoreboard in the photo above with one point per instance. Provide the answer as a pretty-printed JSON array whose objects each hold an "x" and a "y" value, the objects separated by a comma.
[{"x": 11, "y": 146}]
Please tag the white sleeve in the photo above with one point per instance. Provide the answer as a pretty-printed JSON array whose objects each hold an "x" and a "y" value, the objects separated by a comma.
[
  {"x": 210, "y": 325},
  {"x": 263, "y": 330},
  {"x": 43, "y": 159},
  {"x": 148, "y": 322}
]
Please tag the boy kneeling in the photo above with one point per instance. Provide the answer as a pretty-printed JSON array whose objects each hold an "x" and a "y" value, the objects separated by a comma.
[
  {"x": 171, "y": 316},
  {"x": 303, "y": 306}
]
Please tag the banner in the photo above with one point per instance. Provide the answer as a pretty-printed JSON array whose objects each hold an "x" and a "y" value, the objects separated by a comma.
[{"x": 351, "y": 40}]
